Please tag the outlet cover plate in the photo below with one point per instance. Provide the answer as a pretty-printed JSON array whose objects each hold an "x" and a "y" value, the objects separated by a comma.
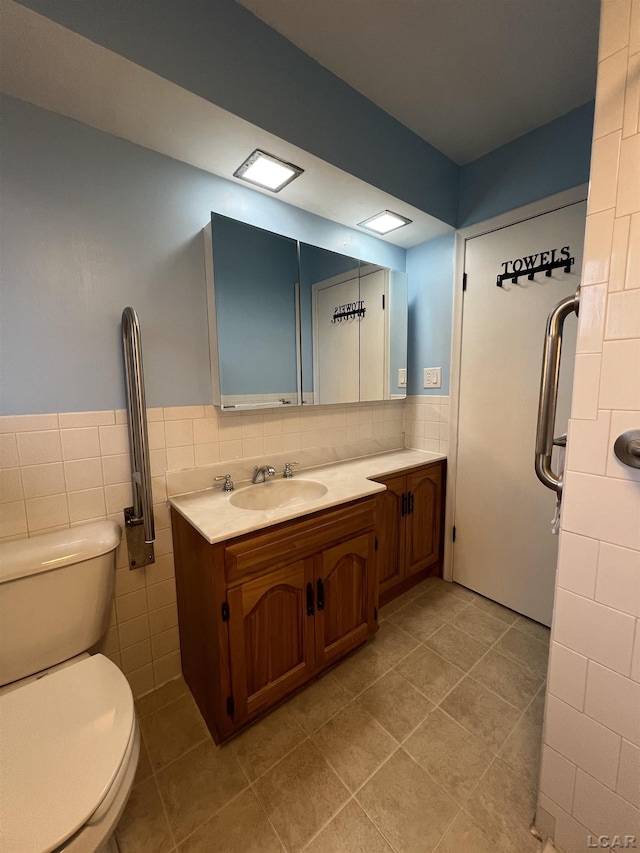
[{"x": 433, "y": 377}]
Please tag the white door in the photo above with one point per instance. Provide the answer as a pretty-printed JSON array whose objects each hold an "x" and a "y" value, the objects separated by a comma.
[{"x": 504, "y": 547}]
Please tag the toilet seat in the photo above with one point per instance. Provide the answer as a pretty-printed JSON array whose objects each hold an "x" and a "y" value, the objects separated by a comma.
[{"x": 63, "y": 742}]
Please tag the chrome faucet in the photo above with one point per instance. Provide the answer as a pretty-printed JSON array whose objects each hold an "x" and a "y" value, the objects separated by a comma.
[{"x": 260, "y": 474}]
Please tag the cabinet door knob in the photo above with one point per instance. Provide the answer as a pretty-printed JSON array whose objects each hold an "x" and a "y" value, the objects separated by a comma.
[
  {"x": 309, "y": 599},
  {"x": 320, "y": 594},
  {"x": 404, "y": 504},
  {"x": 410, "y": 506}
]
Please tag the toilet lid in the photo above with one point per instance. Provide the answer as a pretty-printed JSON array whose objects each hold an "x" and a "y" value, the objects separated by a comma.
[{"x": 62, "y": 741}]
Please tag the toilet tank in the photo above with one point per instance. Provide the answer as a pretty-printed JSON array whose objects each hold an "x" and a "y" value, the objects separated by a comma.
[{"x": 56, "y": 592}]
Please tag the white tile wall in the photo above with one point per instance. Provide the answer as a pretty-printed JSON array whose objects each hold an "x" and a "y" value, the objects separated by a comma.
[
  {"x": 590, "y": 779},
  {"x": 426, "y": 423},
  {"x": 66, "y": 469}
]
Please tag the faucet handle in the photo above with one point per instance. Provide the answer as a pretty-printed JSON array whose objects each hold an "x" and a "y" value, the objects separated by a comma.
[
  {"x": 288, "y": 473},
  {"x": 228, "y": 482}
]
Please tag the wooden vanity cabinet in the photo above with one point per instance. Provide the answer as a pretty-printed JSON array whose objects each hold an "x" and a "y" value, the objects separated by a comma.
[
  {"x": 410, "y": 528},
  {"x": 261, "y": 614}
]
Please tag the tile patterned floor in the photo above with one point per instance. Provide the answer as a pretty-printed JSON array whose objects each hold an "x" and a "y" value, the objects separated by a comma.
[{"x": 424, "y": 741}]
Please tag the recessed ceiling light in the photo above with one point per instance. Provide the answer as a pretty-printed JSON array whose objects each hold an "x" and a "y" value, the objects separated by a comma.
[
  {"x": 267, "y": 171},
  {"x": 383, "y": 223}
]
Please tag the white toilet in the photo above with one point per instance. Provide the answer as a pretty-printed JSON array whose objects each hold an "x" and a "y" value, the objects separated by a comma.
[{"x": 69, "y": 738}]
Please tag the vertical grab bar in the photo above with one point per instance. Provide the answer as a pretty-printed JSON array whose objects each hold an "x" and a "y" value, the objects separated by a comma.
[
  {"x": 139, "y": 524},
  {"x": 549, "y": 393}
]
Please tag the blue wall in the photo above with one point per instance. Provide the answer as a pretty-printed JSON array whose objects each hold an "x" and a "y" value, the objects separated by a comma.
[
  {"x": 547, "y": 160},
  {"x": 92, "y": 223},
  {"x": 430, "y": 274},
  {"x": 220, "y": 51}
]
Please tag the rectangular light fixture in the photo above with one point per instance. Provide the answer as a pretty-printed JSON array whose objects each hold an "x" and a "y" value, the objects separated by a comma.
[
  {"x": 383, "y": 223},
  {"x": 265, "y": 170}
]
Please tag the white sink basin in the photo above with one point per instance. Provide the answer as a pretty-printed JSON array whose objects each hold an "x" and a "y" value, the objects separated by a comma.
[{"x": 276, "y": 494}]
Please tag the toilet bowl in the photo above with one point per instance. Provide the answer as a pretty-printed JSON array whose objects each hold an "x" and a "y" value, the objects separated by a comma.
[{"x": 69, "y": 737}]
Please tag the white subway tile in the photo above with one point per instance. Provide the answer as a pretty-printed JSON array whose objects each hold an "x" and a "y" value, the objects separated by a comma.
[
  {"x": 10, "y": 485},
  {"x": 158, "y": 462},
  {"x": 161, "y": 570},
  {"x": 567, "y": 675},
  {"x": 594, "y": 630},
  {"x": 166, "y": 669},
  {"x": 165, "y": 643},
  {"x": 602, "y": 810},
  {"x": 131, "y": 606},
  {"x": 73, "y": 420},
  {"x": 291, "y": 441},
  {"x": 632, "y": 273},
  {"x": 155, "y": 431},
  {"x": 273, "y": 423},
  {"x": 586, "y": 386},
  {"x": 159, "y": 489},
  {"x": 619, "y": 251},
  {"x": 631, "y": 120},
  {"x": 635, "y": 661},
  {"x": 253, "y": 447},
  {"x": 38, "y": 448},
  {"x": 629, "y": 176},
  {"x": 116, "y": 469},
  {"x": 623, "y": 315},
  {"x": 42, "y": 480},
  {"x": 178, "y": 433},
  {"x": 582, "y": 740},
  {"x": 118, "y": 497},
  {"x": 614, "y": 27},
  {"x": 141, "y": 681},
  {"x": 272, "y": 444},
  {"x": 133, "y": 630},
  {"x": 605, "y": 155},
  {"x": 9, "y": 457},
  {"x": 614, "y": 701},
  {"x": 618, "y": 582},
  {"x": 557, "y": 777},
  {"x": 593, "y": 303},
  {"x": 620, "y": 375},
  {"x": 156, "y": 414},
  {"x": 597, "y": 248},
  {"x": 602, "y": 508},
  {"x": 621, "y": 422},
  {"x": 163, "y": 544},
  {"x": 179, "y": 458},
  {"x": 161, "y": 594},
  {"x": 136, "y": 656},
  {"x": 13, "y": 519},
  {"x": 81, "y": 443},
  {"x": 128, "y": 580},
  {"x": 87, "y": 504},
  {"x": 28, "y": 423},
  {"x": 612, "y": 73},
  {"x": 83, "y": 474},
  {"x": 122, "y": 417},
  {"x": 205, "y": 431},
  {"x": 589, "y": 445},
  {"x": 114, "y": 439},
  {"x": 43, "y": 513},
  {"x": 162, "y": 516},
  {"x": 230, "y": 428},
  {"x": 628, "y": 784},
  {"x": 634, "y": 29},
  {"x": 163, "y": 618}
]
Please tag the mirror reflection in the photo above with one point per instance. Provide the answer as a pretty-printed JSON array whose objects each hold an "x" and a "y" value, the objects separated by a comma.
[{"x": 292, "y": 323}]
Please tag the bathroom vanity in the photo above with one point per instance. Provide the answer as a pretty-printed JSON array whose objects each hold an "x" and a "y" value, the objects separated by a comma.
[{"x": 269, "y": 599}]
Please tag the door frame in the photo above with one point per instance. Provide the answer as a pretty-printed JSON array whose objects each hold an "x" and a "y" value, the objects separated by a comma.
[{"x": 504, "y": 220}]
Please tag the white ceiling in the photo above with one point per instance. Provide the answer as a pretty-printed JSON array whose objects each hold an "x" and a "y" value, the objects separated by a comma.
[{"x": 465, "y": 75}]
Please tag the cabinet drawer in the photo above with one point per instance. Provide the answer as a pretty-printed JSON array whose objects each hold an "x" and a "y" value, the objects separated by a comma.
[{"x": 296, "y": 540}]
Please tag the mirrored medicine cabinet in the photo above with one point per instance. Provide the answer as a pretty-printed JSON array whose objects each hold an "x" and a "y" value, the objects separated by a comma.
[{"x": 291, "y": 323}]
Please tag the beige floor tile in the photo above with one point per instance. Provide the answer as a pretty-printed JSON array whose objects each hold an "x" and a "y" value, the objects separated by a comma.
[
  {"x": 454, "y": 758},
  {"x": 480, "y": 625},
  {"x": 464, "y": 836},
  {"x": 395, "y": 704},
  {"x": 485, "y": 715},
  {"x": 197, "y": 785},
  {"x": 506, "y": 678},
  {"x": 393, "y": 644},
  {"x": 144, "y": 765},
  {"x": 361, "y": 669},
  {"x": 457, "y": 647},
  {"x": 534, "y": 629},
  {"x": 521, "y": 750},
  {"x": 300, "y": 794},
  {"x": 417, "y": 621},
  {"x": 267, "y": 741},
  {"x": 143, "y": 827},
  {"x": 526, "y": 650},
  {"x": 461, "y": 592},
  {"x": 350, "y": 831},
  {"x": 172, "y": 730},
  {"x": 429, "y": 673},
  {"x": 442, "y": 603},
  {"x": 498, "y": 611},
  {"x": 406, "y": 805},
  {"x": 318, "y": 702},
  {"x": 354, "y": 744},
  {"x": 503, "y": 806},
  {"x": 162, "y": 696},
  {"x": 240, "y": 827}
]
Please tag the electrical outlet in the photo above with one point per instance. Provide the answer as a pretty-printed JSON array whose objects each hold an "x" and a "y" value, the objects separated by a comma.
[
  {"x": 433, "y": 377},
  {"x": 402, "y": 377}
]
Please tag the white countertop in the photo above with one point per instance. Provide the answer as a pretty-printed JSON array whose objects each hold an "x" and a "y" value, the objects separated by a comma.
[{"x": 214, "y": 516}]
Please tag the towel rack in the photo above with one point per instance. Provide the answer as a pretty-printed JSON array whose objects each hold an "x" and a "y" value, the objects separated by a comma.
[{"x": 139, "y": 524}]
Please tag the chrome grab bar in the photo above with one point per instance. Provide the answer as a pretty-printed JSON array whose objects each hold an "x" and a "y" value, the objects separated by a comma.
[
  {"x": 139, "y": 517},
  {"x": 549, "y": 393}
]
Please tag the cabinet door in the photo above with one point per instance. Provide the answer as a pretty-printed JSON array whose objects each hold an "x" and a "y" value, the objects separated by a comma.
[
  {"x": 271, "y": 643},
  {"x": 345, "y": 597},
  {"x": 423, "y": 523},
  {"x": 391, "y": 532}
]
